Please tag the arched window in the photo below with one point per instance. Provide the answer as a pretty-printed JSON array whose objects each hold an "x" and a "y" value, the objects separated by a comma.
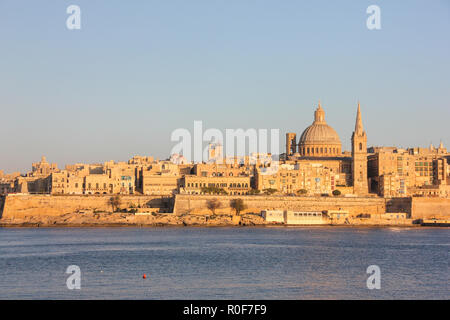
[{"x": 360, "y": 146}]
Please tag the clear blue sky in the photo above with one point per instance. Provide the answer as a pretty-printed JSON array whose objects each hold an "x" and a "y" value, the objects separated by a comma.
[{"x": 137, "y": 70}]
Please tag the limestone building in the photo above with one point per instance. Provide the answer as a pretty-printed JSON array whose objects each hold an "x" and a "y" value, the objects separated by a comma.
[
  {"x": 396, "y": 172},
  {"x": 232, "y": 185},
  {"x": 160, "y": 178}
]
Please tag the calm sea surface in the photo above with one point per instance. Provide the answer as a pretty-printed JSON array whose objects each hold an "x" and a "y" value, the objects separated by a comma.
[{"x": 225, "y": 263}]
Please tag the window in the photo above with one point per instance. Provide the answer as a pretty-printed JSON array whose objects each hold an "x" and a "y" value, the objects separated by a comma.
[{"x": 360, "y": 146}]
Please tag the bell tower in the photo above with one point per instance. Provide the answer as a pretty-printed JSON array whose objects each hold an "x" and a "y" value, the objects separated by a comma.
[
  {"x": 291, "y": 143},
  {"x": 359, "y": 157}
]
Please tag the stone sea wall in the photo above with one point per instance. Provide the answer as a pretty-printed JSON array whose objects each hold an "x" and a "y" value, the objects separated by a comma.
[
  {"x": 426, "y": 208},
  {"x": 22, "y": 206},
  {"x": 29, "y": 207},
  {"x": 355, "y": 205}
]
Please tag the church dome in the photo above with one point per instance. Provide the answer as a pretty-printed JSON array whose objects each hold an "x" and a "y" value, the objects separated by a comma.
[
  {"x": 319, "y": 139},
  {"x": 319, "y": 133}
]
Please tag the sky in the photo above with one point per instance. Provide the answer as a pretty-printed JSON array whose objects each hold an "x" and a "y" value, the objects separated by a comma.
[{"x": 138, "y": 70}]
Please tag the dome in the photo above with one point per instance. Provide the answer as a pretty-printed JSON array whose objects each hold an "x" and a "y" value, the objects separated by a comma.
[
  {"x": 319, "y": 133},
  {"x": 319, "y": 139}
]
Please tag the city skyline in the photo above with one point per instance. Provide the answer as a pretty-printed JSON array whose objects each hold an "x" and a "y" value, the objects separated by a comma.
[
  {"x": 282, "y": 148},
  {"x": 119, "y": 86}
]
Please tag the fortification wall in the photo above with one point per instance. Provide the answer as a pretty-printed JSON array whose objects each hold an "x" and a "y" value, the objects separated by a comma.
[
  {"x": 425, "y": 208},
  {"x": 198, "y": 204},
  {"x": 23, "y": 206}
]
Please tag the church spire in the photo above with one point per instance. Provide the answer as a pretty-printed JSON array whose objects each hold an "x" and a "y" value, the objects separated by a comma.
[
  {"x": 359, "y": 126},
  {"x": 359, "y": 155}
]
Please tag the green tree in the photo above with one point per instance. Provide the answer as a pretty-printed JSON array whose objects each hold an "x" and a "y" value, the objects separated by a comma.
[
  {"x": 238, "y": 205},
  {"x": 336, "y": 192},
  {"x": 302, "y": 191}
]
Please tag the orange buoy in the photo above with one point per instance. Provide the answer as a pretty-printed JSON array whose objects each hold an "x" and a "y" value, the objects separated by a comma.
[{"x": 144, "y": 276}]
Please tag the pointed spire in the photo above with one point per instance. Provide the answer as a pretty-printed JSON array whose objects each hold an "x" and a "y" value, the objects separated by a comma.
[
  {"x": 441, "y": 145},
  {"x": 359, "y": 129}
]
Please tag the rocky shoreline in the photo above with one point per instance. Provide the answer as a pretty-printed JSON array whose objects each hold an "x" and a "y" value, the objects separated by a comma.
[
  {"x": 123, "y": 220},
  {"x": 107, "y": 219}
]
